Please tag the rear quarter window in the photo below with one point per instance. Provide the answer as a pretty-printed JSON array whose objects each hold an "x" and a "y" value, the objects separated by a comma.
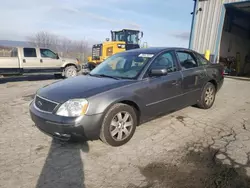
[{"x": 201, "y": 60}]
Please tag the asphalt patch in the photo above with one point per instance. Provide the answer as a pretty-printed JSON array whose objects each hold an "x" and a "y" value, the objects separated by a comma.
[{"x": 197, "y": 169}]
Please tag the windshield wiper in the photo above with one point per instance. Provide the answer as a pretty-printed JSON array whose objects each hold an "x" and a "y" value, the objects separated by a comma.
[{"x": 104, "y": 75}]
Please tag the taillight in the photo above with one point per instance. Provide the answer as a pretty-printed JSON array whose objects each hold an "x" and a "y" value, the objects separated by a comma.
[{"x": 222, "y": 72}]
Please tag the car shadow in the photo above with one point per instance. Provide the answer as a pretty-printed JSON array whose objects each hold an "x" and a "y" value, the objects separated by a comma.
[
  {"x": 27, "y": 78},
  {"x": 63, "y": 166},
  {"x": 159, "y": 116}
]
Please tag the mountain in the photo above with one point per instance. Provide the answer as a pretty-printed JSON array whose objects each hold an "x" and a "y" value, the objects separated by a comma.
[{"x": 11, "y": 43}]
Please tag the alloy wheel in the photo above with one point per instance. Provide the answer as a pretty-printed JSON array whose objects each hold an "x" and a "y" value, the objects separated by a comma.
[
  {"x": 121, "y": 126},
  {"x": 209, "y": 96},
  {"x": 71, "y": 73}
]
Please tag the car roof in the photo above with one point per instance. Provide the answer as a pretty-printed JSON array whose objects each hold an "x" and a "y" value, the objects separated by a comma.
[{"x": 153, "y": 50}]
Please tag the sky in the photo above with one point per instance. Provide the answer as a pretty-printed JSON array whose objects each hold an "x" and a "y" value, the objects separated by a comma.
[{"x": 163, "y": 22}]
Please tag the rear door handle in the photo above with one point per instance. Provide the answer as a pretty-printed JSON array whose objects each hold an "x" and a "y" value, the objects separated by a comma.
[
  {"x": 41, "y": 60},
  {"x": 24, "y": 60}
]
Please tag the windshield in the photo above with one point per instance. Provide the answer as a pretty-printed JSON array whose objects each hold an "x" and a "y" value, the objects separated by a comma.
[
  {"x": 132, "y": 38},
  {"x": 125, "y": 65}
]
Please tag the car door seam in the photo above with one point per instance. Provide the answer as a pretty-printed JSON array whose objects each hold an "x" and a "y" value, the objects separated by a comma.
[{"x": 163, "y": 100}]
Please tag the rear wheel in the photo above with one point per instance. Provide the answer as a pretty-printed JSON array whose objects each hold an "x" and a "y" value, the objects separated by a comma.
[
  {"x": 207, "y": 97},
  {"x": 119, "y": 125},
  {"x": 70, "y": 71}
]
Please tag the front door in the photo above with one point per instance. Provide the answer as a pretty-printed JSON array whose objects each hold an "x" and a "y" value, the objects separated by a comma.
[
  {"x": 49, "y": 61},
  {"x": 162, "y": 94},
  {"x": 193, "y": 76},
  {"x": 30, "y": 62}
]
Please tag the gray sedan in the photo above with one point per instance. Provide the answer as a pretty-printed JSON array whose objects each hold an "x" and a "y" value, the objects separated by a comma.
[{"x": 124, "y": 91}]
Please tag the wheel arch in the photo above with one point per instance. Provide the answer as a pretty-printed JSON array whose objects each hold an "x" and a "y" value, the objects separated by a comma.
[
  {"x": 135, "y": 106},
  {"x": 214, "y": 83},
  {"x": 128, "y": 102},
  {"x": 69, "y": 64}
]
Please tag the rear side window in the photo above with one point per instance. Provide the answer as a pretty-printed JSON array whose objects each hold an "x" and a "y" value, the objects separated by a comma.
[
  {"x": 29, "y": 52},
  {"x": 202, "y": 60},
  {"x": 187, "y": 60}
]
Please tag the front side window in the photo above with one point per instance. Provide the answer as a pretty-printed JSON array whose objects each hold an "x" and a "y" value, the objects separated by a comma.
[
  {"x": 126, "y": 65},
  {"x": 165, "y": 61},
  {"x": 29, "y": 52},
  {"x": 187, "y": 60},
  {"x": 46, "y": 53}
]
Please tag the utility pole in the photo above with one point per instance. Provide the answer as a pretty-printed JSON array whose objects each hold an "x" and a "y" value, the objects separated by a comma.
[{"x": 192, "y": 24}]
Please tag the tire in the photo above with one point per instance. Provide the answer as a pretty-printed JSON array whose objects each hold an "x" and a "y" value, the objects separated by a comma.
[
  {"x": 207, "y": 96},
  {"x": 121, "y": 134},
  {"x": 91, "y": 66},
  {"x": 70, "y": 71}
]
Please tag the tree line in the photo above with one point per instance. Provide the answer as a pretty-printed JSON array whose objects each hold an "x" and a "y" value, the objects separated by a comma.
[{"x": 62, "y": 45}]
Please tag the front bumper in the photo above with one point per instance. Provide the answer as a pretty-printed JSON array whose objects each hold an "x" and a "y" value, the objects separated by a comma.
[
  {"x": 85, "y": 69},
  {"x": 78, "y": 68},
  {"x": 64, "y": 128}
]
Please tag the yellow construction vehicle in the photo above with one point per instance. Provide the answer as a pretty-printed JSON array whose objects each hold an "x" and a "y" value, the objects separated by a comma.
[{"x": 122, "y": 40}]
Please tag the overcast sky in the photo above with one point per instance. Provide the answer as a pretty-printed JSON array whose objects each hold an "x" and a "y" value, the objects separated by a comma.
[{"x": 164, "y": 22}]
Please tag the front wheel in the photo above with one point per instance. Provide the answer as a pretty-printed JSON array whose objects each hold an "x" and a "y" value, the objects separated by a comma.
[
  {"x": 70, "y": 71},
  {"x": 119, "y": 125},
  {"x": 208, "y": 96}
]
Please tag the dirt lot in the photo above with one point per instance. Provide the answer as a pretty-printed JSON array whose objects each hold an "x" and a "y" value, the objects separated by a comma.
[{"x": 189, "y": 148}]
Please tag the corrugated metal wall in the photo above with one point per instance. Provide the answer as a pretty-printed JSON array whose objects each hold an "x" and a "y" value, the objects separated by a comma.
[{"x": 206, "y": 25}]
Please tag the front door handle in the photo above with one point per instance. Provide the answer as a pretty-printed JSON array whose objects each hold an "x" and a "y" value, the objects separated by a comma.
[
  {"x": 175, "y": 83},
  {"x": 41, "y": 60},
  {"x": 24, "y": 60}
]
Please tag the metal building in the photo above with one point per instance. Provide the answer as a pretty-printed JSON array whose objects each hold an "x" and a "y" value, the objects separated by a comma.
[{"x": 223, "y": 28}]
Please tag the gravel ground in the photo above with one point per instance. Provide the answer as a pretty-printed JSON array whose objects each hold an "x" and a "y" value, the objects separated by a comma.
[{"x": 188, "y": 148}]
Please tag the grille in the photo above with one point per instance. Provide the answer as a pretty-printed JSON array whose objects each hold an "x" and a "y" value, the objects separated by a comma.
[
  {"x": 96, "y": 52},
  {"x": 44, "y": 104}
]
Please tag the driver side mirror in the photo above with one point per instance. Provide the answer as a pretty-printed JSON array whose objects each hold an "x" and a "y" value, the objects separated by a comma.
[
  {"x": 141, "y": 35},
  {"x": 158, "y": 72},
  {"x": 57, "y": 56}
]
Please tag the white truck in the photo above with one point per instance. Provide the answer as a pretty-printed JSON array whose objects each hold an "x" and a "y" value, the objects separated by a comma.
[{"x": 27, "y": 60}]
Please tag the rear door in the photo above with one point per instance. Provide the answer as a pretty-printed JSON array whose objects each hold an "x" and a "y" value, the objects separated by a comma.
[
  {"x": 30, "y": 61},
  {"x": 49, "y": 60},
  {"x": 194, "y": 76}
]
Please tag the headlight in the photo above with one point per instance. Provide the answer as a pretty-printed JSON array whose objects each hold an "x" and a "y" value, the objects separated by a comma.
[
  {"x": 121, "y": 45},
  {"x": 73, "y": 108}
]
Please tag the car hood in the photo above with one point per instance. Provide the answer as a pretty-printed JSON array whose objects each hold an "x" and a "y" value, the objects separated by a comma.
[{"x": 79, "y": 87}]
